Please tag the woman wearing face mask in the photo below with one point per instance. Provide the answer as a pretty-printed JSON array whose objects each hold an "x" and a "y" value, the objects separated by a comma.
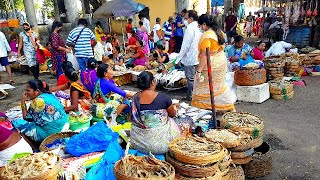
[
  {"x": 28, "y": 40},
  {"x": 214, "y": 39},
  {"x": 59, "y": 48},
  {"x": 45, "y": 115}
]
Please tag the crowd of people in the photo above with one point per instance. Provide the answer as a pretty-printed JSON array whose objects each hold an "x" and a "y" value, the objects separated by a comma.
[{"x": 100, "y": 54}]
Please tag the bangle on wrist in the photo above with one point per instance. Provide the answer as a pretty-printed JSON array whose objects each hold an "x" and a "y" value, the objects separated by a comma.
[{"x": 23, "y": 106}]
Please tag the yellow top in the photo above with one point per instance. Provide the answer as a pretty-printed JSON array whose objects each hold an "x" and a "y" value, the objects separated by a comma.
[{"x": 99, "y": 33}]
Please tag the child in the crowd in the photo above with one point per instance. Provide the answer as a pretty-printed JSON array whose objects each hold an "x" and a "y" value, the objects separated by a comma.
[{"x": 108, "y": 47}]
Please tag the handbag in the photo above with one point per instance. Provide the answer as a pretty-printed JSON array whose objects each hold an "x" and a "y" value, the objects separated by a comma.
[{"x": 73, "y": 43}]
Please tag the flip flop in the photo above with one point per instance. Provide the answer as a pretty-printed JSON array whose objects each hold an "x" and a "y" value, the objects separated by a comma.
[{"x": 12, "y": 82}]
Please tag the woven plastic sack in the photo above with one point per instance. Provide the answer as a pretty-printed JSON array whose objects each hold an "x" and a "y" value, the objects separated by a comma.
[
  {"x": 96, "y": 138},
  {"x": 104, "y": 169}
]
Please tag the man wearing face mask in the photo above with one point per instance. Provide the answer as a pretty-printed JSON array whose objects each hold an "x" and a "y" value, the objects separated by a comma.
[
  {"x": 189, "y": 50},
  {"x": 179, "y": 31},
  {"x": 59, "y": 49}
]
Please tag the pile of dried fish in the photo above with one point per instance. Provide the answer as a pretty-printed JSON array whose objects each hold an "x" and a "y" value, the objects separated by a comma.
[
  {"x": 143, "y": 167},
  {"x": 226, "y": 138},
  {"x": 30, "y": 166},
  {"x": 168, "y": 79},
  {"x": 239, "y": 119},
  {"x": 196, "y": 147}
]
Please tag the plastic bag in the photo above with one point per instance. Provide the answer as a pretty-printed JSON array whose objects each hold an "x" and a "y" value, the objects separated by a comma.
[
  {"x": 71, "y": 58},
  {"x": 104, "y": 169},
  {"x": 96, "y": 138}
]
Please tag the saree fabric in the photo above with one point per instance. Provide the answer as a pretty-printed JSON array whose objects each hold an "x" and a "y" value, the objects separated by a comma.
[{"x": 201, "y": 94}]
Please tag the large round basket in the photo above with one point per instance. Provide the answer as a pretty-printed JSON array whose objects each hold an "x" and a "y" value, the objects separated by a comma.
[
  {"x": 261, "y": 165},
  {"x": 120, "y": 176},
  {"x": 253, "y": 130},
  {"x": 51, "y": 174},
  {"x": 275, "y": 63},
  {"x": 182, "y": 156},
  {"x": 217, "y": 176},
  {"x": 242, "y": 160},
  {"x": 250, "y": 77},
  {"x": 246, "y": 145},
  {"x": 50, "y": 139},
  {"x": 214, "y": 135},
  {"x": 190, "y": 170},
  {"x": 283, "y": 96},
  {"x": 235, "y": 173},
  {"x": 280, "y": 88}
]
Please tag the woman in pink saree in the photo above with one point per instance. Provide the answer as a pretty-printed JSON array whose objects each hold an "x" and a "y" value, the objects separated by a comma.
[{"x": 258, "y": 26}]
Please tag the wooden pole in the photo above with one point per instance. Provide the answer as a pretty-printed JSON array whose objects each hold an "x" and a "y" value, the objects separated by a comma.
[{"x": 214, "y": 118}]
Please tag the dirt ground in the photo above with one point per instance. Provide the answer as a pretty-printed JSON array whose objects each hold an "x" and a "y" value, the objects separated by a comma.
[{"x": 291, "y": 127}]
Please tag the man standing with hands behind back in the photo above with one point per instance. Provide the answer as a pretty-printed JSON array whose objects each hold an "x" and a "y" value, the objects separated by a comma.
[
  {"x": 230, "y": 25},
  {"x": 189, "y": 50}
]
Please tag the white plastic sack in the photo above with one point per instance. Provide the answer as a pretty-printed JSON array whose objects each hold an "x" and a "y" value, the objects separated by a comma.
[
  {"x": 231, "y": 85},
  {"x": 2, "y": 68},
  {"x": 71, "y": 58}
]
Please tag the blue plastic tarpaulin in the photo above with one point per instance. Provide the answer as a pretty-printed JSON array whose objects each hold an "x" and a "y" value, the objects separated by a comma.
[{"x": 217, "y": 2}]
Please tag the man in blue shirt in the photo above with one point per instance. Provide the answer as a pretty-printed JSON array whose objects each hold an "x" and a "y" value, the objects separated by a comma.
[
  {"x": 178, "y": 35},
  {"x": 82, "y": 38}
]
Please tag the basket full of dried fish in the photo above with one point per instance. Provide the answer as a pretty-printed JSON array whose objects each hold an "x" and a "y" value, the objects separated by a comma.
[
  {"x": 38, "y": 166},
  {"x": 247, "y": 142},
  {"x": 143, "y": 168},
  {"x": 243, "y": 122},
  {"x": 191, "y": 170},
  {"x": 197, "y": 151},
  {"x": 227, "y": 138}
]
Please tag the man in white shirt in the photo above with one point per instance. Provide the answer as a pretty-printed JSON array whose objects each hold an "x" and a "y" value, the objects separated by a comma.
[
  {"x": 189, "y": 50},
  {"x": 157, "y": 31},
  {"x": 146, "y": 23},
  {"x": 98, "y": 52},
  {"x": 4, "y": 51}
]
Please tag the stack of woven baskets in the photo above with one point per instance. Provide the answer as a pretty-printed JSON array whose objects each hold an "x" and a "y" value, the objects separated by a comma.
[
  {"x": 293, "y": 64},
  {"x": 247, "y": 151},
  {"x": 281, "y": 90},
  {"x": 194, "y": 157},
  {"x": 275, "y": 67},
  {"x": 305, "y": 59}
]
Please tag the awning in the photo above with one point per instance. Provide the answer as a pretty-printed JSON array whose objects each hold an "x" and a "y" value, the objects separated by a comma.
[
  {"x": 118, "y": 8},
  {"x": 217, "y": 3}
]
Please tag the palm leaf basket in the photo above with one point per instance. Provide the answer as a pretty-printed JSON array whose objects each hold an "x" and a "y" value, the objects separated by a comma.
[
  {"x": 242, "y": 161},
  {"x": 250, "y": 77},
  {"x": 244, "y": 154},
  {"x": 261, "y": 165},
  {"x": 196, "y": 151},
  {"x": 53, "y": 137},
  {"x": 243, "y": 122},
  {"x": 190, "y": 170},
  {"x": 234, "y": 173},
  {"x": 248, "y": 143}
]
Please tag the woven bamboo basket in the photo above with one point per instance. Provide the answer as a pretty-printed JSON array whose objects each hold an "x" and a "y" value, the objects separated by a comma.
[
  {"x": 225, "y": 163},
  {"x": 275, "y": 70},
  {"x": 255, "y": 132},
  {"x": 252, "y": 143},
  {"x": 250, "y": 77},
  {"x": 283, "y": 96},
  {"x": 190, "y": 170},
  {"x": 244, "y": 154},
  {"x": 53, "y": 137},
  {"x": 235, "y": 173},
  {"x": 196, "y": 160},
  {"x": 51, "y": 174},
  {"x": 217, "y": 176},
  {"x": 226, "y": 144},
  {"x": 275, "y": 63},
  {"x": 120, "y": 176},
  {"x": 305, "y": 59},
  {"x": 279, "y": 88},
  {"x": 261, "y": 165},
  {"x": 316, "y": 60},
  {"x": 242, "y": 161}
]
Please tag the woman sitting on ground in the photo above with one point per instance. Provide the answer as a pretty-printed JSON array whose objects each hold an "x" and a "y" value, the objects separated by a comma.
[
  {"x": 107, "y": 92},
  {"x": 77, "y": 91},
  {"x": 89, "y": 76},
  {"x": 153, "y": 129},
  {"x": 257, "y": 52},
  {"x": 45, "y": 115},
  {"x": 114, "y": 40},
  {"x": 140, "y": 57},
  {"x": 11, "y": 143},
  {"x": 159, "y": 57},
  {"x": 118, "y": 59}
]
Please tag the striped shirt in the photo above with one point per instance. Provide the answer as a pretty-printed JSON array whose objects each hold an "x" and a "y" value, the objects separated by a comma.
[
  {"x": 83, "y": 46},
  {"x": 168, "y": 31}
]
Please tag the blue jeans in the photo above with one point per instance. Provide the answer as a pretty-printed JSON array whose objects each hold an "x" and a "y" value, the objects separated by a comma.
[
  {"x": 82, "y": 61},
  {"x": 190, "y": 74}
]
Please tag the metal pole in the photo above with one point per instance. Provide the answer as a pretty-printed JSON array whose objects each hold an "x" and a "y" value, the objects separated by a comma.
[{"x": 214, "y": 118}]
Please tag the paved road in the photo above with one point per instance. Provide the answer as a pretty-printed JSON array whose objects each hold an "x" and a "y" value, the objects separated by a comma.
[{"x": 291, "y": 127}]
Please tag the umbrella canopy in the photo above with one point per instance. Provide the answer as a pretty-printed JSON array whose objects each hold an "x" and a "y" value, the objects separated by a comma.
[
  {"x": 217, "y": 2},
  {"x": 118, "y": 8},
  {"x": 267, "y": 9}
]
